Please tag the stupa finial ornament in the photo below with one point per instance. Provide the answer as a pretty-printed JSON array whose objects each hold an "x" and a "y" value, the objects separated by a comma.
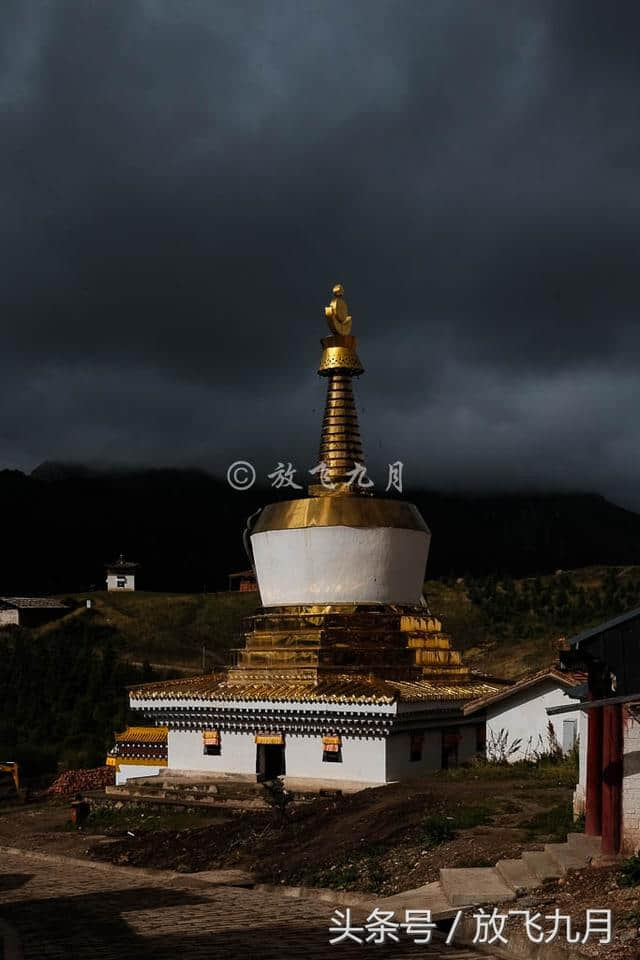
[
  {"x": 337, "y": 313},
  {"x": 340, "y": 454}
]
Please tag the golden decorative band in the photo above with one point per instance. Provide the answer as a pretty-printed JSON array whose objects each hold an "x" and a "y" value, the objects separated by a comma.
[{"x": 339, "y": 511}]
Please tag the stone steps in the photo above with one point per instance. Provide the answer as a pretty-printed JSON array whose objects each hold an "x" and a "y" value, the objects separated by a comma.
[
  {"x": 464, "y": 886},
  {"x": 222, "y": 792},
  {"x": 589, "y": 845},
  {"x": 204, "y": 788},
  {"x": 517, "y": 875},
  {"x": 567, "y": 858},
  {"x": 150, "y": 796},
  {"x": 478, "y": 886},
  {"x": 542, "y": 865}
]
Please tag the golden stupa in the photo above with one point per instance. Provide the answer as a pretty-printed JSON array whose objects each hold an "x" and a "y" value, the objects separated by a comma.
[{"x": 344, "y": 662}]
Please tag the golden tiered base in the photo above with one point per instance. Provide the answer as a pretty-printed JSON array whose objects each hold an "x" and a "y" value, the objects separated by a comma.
[{"x": 309, "y": 643}]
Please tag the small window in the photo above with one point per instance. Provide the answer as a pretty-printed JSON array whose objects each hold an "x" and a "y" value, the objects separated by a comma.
[
  {"x": 332, "y": 749},
  {"x": 211, "y": 743},
  {"x": 121, "y": 582},
  {"x": 416, "y": 743}
]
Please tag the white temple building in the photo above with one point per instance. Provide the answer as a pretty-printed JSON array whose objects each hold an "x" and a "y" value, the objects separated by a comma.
[
  {"x": 345, "y": 677},
  {"x": 121, "y": 574}
]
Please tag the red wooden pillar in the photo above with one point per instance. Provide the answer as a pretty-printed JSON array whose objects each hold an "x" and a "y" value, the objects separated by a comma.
[
  {"x": 612, "y": 779},
  {"x": 593, "y": 794}
]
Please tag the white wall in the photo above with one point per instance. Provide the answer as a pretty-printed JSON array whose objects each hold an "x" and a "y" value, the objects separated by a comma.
[
  {"x": 340, "y": 565},
  {"x": 129, "y": 582},
  {"x": 362, "y": 759},
  {"x": 524, "y": 716},
  {"x": 631, "y": 785},
  {"x": 186, "y": 752},
  {"x": 579, "y": 793},
  {"x": 8, "y": 617},
  {"x": 128, "y": 770}
]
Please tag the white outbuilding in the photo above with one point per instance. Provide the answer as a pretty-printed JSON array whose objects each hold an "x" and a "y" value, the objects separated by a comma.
[
  {"x": 518, "y": 726},
  {"x": 121, "y": 574}
]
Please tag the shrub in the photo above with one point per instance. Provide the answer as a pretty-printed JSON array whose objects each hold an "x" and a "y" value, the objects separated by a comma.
[
  {"x": 498, "y": 747},
  {"x": 436, "y": 830},
  {"x": 629, "y": 875}
]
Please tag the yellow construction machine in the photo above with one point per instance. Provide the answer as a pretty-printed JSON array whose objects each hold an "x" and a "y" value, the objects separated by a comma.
[{"x": 12, "y": 768}]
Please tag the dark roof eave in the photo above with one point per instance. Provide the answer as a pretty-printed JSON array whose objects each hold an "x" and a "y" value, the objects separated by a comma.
[{"x": 603, "y": 627}]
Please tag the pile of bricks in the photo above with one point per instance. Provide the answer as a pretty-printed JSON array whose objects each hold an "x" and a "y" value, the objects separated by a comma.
[{"x": 79, "y": 781}]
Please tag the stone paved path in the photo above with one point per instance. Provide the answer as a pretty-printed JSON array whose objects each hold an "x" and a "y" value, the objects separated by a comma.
[{"x": 56, "y": 909}]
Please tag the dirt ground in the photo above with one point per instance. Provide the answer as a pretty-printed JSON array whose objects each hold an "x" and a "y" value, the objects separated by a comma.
[
  {"x": 595, "y": 888},
  {"x": 381, "y": 840},
  {"x": 45, "y": 825}
]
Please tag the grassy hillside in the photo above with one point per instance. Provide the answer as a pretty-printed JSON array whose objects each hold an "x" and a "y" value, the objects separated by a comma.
[
  {"x": 164, "y": 628},
  {"x": 504, "y": 626},
  {"x": 509, "y": 627}
]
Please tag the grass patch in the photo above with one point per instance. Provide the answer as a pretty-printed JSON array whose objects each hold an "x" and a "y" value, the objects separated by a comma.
[
  {"x": 439, "y": 828},
  {"x": 472, "y": 816},
  {"x": 546, "y": 772},
  {"x": 436, "y": 829},
  {"x": 556, "y": 822}
]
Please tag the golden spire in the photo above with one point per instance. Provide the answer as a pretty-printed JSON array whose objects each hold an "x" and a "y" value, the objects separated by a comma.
[{"x": 340, "y": 444}]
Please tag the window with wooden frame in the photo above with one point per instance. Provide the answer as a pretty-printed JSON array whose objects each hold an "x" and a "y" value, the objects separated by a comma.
[
  {"x": 211, "y": 743},
  {"x": 332, "y": 749}
]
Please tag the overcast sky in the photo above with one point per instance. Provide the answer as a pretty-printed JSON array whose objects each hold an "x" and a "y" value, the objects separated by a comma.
[{"x": 183, "y": 181}]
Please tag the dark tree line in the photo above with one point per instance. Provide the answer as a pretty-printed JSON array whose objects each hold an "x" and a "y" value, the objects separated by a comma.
[
  {"x": 62, "y": 695},
  {"x": 185, "y": 528}
]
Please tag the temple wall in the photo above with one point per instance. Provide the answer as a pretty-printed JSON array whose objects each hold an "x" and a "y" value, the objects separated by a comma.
[
  {"x": 340, "y": 565},
  {"x": 237, "y": 753},
  {"x": 9, "y": 617},
  {"x": 363, "y": 760},
  {"x": 524, "y": 717},
  {"x": 631, "y": 785}
]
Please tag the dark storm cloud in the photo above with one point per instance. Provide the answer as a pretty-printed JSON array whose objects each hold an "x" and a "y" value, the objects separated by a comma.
[{"x": 182, "y": 183}]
